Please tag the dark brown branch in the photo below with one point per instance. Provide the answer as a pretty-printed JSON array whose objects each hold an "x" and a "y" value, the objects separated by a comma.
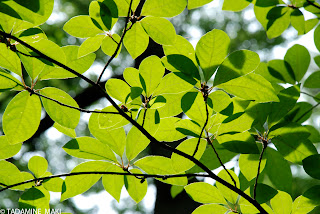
[
  {"x": 137, "y": 175},
  {"x": 204, "y": 126},
  {"x": 313, "y": 4},
  {"x": 141, "y": 129},
  {"x": 144, "y": 116},
  {"x": 72, "y": 107},
  {"x": 220, "y": 161},
  {"x": 119, "y": 44},
  {"x": 264, "y": 143}
]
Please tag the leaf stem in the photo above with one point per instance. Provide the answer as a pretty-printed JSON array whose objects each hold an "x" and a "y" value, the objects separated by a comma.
[
  {"x": 204, "y": 126},
  {"x": 265, "y": 143},
  {"x": 119, "y": 44}
]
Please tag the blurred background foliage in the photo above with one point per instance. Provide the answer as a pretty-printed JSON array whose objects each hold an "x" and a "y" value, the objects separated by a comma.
[{"x": 245, "y": 33}]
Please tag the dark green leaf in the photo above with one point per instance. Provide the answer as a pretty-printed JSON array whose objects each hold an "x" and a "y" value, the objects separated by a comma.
[{"x": 311, "y": 165}]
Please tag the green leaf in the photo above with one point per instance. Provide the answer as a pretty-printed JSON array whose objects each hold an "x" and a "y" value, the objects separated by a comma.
[
  {"x": 75, "y": 185},
  {"x": 136, "y": 40},
  {"x": 288, "y": 98},
  {"x": 67, "y": 131},
  {"x": 133, "y": 148},
  {"x": 103, "y": 14},
  {"x": 172, "y": 84},
  {"x": 162, "y": 166},
  {"x": 188, "y": 127},
  {"x": 9, "y": 59},
  {"x": 235, "y": 65},
  {"x": 7, "y": 81},
  {"x": 8, "y": 150},
  {"x": 251, "y": 87},
  {"x": 316, "y": 37},
  {"x": 310, "y": 24},
  {"x": 160, "y": 30},
  {"x": 210, "y": 208},
  {"x": 176, "y": 190},
  {"x": 249, "y": 163},
  {"x": 300, "y": 112},
  {"x": 246, "y": 206},
  {"x": 65, "y": 116},
  {"x": 313, "y": 194},
  {"x": 240, "y": 142},
  {"x": 167, "y": 130},
  {"x": 88, "y": 28},
  {"x": 299, "y": 59},
  {"x": 35, "y": 198},
  {"x": 52, "y": 184},
  {"x": 281, "y": 71},
  {"x": 89, "y": 148},
  {"x": 281, "y": 203},
  {"x": 235, "y": 5},
  {"x": 113, "y": 183},
  {"x": 192, "y": 4},
  {"x": 80, "y": 64},
  {"x": 172, "y": 106},
  {"x": 211, "y": 50},
  {"x": 164, "y": 8},
  {"x": 181, "y": 164},
  {"x": 278, "y": 170},
  {"x": 123, "y": 6},
  {"x": 118, "y": 89},
  {"x": 311, "y": 165},
  {"x": 204, "y": 193},
  {"x": 181, "y": 46},
  {"x": 180, "y": 63},
  {"x": 151, "y": 72},
  {"x": 220, "y": 100},
  {"x": 314, "y": 134},
  {"x": 50, "y": 49},
  {"x": 10, "y": 174},
  {"x": 131, "y": 76},
  {"x": 317, "y": 60},
  {"x": 110, "y": 43},
  {"x": 28, "y": 176},
  {"x": 115, "y": 138},
  {"x": 21, "y": 118},
  {"x": 90, "y": 45},
  {"x": 291, "y": 141},
  {"x": 135, "y": 187},
  {"x": 38, "y": 165},
  {"x": 36, "y": 12},
  {"x": 225, "y": 191},
  {"x": 111, "y": 121},
  {"x": 297, "y": 21},
  {"x": 313, "y": 80},
  {"x": 263, "y": 192},
  {"x": 303, "y": 205}
]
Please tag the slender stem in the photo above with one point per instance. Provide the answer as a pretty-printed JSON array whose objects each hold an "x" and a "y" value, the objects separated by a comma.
[
  {"x": 25, "y": 54},
  {"x": 72, "y": 107},
  {"x": 258, "y": 172},
  {"x": 314, "y": 97},
  {"x": 119, "y": 44},
  {"x": 141, "y": 129},
  {"x": 220, "y": 161},
  {"x": 304, "y": 114},
  {"x": 137, "y": 175},
  {"x": 313, "y": 4},
  {"x": 204, "y": 126},
  {"x": 144, "y": 116}
]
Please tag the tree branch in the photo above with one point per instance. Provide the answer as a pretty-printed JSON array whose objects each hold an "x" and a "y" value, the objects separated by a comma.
[
  {"x": 119, "y": 44},
  {"x": 204, "y": 126},
  {"x": 258, "y": 173},
  {"x": 313, "y": 4},
  {"x": 72, "y": 107},
  {"x": 137, "y": 175},
  {"x": 304, "y": 114},
  {"x": 220, "y": 161},
  {"x": 314, "y": 97},
  {"x": 138, "y": 126}
]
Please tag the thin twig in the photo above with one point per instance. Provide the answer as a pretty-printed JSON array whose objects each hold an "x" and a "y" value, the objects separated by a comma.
[
  {"x": 204, "y": 126},
  {"x": 220, "y": 161},
  {"x": 138, "y": 175},
  {"x": 313, "y": 4},
  {"x": 258, "y": 173},
  {"x": 72, "y": 107},
  {"x": 119, "y": 44},
  {"x": 141, "y": 129},
  {"x": 314, "y": 97},
  {"x": 144, "y": 116}
]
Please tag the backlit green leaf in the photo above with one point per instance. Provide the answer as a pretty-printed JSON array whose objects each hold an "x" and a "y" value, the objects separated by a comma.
[
  {"x": 303, "y": 205},
  {"x": 159, "y": 29},
  {"x": 113, "y": 183},
  {"x": 10, "y": 174},
  {"x": 204, "y": 193},
  {"x": 109, "y": 120},
  {"x": 220, "y": 100},
  {"x": 118, "y": 89},
  {"x": 103, "y": 14},
  {"x": 192, "y": 4},
  {"x": 281, "y": 203},
  {"x": 52, "y": 184},
  {"x": 136, "y": 189},
  {"x": 67, "y": 131},
  {"x": 225, "y": 191},
  {"x": 8, "y": 150},
  {"x": 89, "y": 148},
  {"x": 7, "y": 81},
  {"x": 65, "y": 116},
  {"x": 313, "y": 80},
  {"x": 249, "y": 163},
  {"x": 297, "y": 21},
  {"x": 136, "y": 142},
  {"x": 38, "y": 165},
  {"x": 210, "y": 208},
  {"x": 136, "y": 40},
  {"x": 110, "y": 43},
  {"x": 164, "y": 8},
  {"x": 9, "y": 59},
  {"x": 123, "y": 6},
  {"x": 235, "y": 5},
  {"x": 211, "y": 50},
  {"x": 21, "y": 118},
  {"x": 172, "y": 84},
  {"x": 88, "y": 28},
  {"x": 316, "y": 37},
  {"x": 90, "y": 45},
  {"x": 251, "y": 87},
  {"x": 35, "y": 198}
]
